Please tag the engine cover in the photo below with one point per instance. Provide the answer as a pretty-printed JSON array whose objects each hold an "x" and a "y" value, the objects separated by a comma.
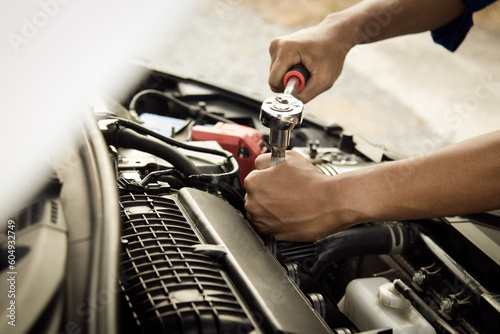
[{"x": 192, "y": 264}]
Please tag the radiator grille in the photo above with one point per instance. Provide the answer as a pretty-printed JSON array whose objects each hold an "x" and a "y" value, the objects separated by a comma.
[{"x": 168, "y": 287}]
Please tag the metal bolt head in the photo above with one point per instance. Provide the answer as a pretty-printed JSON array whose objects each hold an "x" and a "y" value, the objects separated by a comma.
[
  {"x": 446, "y": 305},
  {"x": 418, "y": 277},
  {"x": 202, "y": 105}
]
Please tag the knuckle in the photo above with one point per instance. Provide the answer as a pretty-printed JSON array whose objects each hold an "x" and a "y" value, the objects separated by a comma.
[
  {"x": 273, "y": 45},
  {"x": 249, "y": 207},
  {"x": 282, "y": 45},
  {"x": 248, "y": 183},
  {"x": 274, "y": 87}
]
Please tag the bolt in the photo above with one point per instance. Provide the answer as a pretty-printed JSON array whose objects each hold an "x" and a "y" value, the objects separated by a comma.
[
  {"x": 202, "y": 105},
  {"x": 418, "y": 277},
  {"x": 446, "y": 305}
]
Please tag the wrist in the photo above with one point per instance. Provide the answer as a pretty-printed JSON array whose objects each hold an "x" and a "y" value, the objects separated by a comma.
[
  {"x": 356, "y": 197},
  {"x": 347, "y": 27},
  {"x": 340, "y": 203},
  {"x": 341, "y": 31}
]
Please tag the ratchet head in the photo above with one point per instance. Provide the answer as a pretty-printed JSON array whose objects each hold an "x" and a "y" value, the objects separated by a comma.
[
  {"x": 281, "y": 114},
  {"x": 284, "y": 113}
]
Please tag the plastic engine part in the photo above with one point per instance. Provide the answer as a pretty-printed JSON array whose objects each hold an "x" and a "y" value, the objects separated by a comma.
[
  {"x": 242, "y": 141},
  {"x": 371, "y": 303},
  {"x": 168, "y": 286}
]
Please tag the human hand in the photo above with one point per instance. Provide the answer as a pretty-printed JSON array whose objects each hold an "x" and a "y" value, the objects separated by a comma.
[
  {"x": 292, "y": 201},
  {"x": 321, "y": 49}
]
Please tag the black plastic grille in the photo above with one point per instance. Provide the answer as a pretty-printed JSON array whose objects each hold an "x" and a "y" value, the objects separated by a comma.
[
  {"x": 297, "y": 251},
  {"x": 168, "y": 287}
]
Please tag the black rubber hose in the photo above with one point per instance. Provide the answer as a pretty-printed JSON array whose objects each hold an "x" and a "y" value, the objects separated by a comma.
[
  {"x": 128, "y": 138},
  {"x": 234, "y": 172},
  {"x": 204, "y": 177},
  {"x": 231, "y": 195},
  {"x": 378, "y": 239}
]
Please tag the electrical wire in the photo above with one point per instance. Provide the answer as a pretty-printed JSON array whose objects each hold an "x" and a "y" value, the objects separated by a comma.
[{"x": 196, "y": 112}]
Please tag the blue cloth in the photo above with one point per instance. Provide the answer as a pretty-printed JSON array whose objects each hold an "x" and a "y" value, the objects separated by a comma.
[{"x": 452, "y": 34}]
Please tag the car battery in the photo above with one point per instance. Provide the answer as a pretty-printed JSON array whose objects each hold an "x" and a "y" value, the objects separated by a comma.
[{"x": 243, "y": 142}]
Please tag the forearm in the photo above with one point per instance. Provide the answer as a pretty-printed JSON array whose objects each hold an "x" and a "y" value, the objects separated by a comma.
[
  {"x": 460, "y": 179},
  {"x": 375, "y": 20}
]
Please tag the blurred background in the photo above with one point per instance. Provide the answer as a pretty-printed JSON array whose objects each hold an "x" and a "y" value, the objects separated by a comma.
[{"x": 407, "y": 93}]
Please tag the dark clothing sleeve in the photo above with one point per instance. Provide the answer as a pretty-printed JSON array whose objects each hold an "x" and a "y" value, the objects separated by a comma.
[{"x": 452, "y": 34}]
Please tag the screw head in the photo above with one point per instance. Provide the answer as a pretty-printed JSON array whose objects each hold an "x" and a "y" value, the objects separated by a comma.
[
  {"x": 418, "y": 277},
  {"x": 446, "y": 305}
]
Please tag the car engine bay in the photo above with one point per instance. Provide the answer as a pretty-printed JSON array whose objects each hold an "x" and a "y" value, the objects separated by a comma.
[{"x": 144, "y": 230}]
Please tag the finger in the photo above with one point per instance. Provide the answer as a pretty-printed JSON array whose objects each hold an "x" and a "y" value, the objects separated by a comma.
[
  {"x": 317, "y": 84},
  {"x": 278, "y": 70},
  {"x": 249, "y": 216},
  {"x": 263, "y": 161},
  {"x": 263, "y": 228},
  {"x": 273, "y": 49},
  {"x": 292, "y": 157},
  {"x": 283, "y": 56}
]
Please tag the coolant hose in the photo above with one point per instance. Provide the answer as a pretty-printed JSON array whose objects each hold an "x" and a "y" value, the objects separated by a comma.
[
  {"x": 128, "y": 138},
  {"x": 377, "y": 239}
]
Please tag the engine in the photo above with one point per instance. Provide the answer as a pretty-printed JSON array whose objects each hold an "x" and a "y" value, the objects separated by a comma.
[
  {"x": 192, "y": 262},
  {"x": 176, "y": 153}
]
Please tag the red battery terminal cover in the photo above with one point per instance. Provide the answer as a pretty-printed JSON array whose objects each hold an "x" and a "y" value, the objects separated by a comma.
[{"x": 243, "y": 142}]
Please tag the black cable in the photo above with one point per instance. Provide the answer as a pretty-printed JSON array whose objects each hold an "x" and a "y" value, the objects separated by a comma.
[
  {"x": 229, "y": 156},
  {"x": 196, "y": 112},
  {"x": 155, "y": 175},
  {"x": 233, "y": 197},
  {"x": 133, "y": 102},
  {"x": 234, "y": 172},
  {"x": 166, "y": 175},
  {"x": 173, "y": 181}
]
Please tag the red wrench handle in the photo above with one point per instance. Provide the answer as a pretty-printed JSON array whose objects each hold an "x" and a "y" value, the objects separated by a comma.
[{"x": 299, "y": 72}]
